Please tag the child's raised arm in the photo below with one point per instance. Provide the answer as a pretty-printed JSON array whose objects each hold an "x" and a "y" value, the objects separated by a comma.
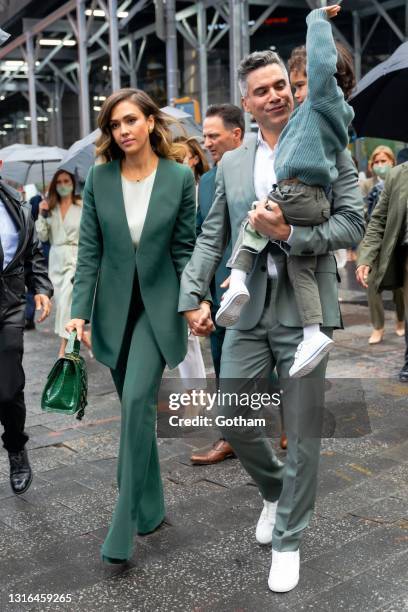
[{"x": 321, "y": 54}]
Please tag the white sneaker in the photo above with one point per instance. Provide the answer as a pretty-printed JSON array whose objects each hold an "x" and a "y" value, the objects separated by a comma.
[
  {"x": 284, "y": 574},
  {"x": 309, "y": 354},
  {"x": 231, "y": 306},
  {"x": 266, "y": 523}
]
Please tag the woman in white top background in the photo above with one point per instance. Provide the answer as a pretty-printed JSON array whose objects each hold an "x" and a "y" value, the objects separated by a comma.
[
  {"x": 58, "y": 221},
  {"x": 137, "y": 234}
]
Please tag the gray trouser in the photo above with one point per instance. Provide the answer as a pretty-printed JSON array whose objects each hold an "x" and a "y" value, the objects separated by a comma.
[
  {"x": 301, "y": 205},
  {"x": 253, "y": 354}
]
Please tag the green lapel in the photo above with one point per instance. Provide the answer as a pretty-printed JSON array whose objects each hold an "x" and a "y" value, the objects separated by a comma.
[
  {"x": 111, "y": 185},
  {"x": 161, "y": 190}
]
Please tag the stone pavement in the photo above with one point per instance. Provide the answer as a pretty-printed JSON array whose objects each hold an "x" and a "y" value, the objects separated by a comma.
[{"x": 205, "y": 558}]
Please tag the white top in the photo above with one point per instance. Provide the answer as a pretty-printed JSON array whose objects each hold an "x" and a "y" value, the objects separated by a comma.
[
  {"x": 264, "y": 180},
  {"x": 136, "y": 196}
]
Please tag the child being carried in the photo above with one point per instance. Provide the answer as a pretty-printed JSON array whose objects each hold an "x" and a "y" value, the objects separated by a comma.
[{"x": 305, "y": 166}]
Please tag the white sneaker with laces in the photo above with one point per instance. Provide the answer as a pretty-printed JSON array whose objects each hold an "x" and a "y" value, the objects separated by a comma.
[
  {"x": 266, "y": 523},
  {"x": 231, "y": 306},
  {"x": 284, "y": 573},
  {"x": 309, "y": 354}
]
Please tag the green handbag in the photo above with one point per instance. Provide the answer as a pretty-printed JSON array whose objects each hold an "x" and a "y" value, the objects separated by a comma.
[{"x": 67, "y": 384}]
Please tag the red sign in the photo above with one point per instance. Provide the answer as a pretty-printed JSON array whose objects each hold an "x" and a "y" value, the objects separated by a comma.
[{"x": 273, "y": 20}]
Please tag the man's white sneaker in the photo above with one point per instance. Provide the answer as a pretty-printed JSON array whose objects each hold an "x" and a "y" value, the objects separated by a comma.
[
  {"x": 284, "y": 574},
  {"x": 310, "y": 353},
  {"x": 231, "y": 305},
  {"x": 266, "y": 523}
]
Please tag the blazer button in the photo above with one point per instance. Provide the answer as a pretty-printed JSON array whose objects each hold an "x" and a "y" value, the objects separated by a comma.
[{"x": 263, "y": 268}]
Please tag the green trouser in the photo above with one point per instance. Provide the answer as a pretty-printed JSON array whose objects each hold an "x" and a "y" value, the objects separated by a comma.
[
  {"x": 252, "y": 354},
  {"x": 376, "y": 306},
  {"x": 140, "y": 504}
]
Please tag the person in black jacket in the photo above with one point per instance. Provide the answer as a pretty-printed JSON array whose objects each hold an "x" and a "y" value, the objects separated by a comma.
[{"x": 21, "y": 264}]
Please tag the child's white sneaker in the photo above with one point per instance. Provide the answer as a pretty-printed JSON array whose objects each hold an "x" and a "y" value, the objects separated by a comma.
[
  {"x": 309, "y": 354},
  {"x": 266, "y": 523},
  {"x": 231, "y": 305}
]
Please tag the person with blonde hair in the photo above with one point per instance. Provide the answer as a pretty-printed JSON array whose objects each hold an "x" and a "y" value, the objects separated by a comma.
[
  {"x": 137, "y": 234},
  {"x": 382, "y": 159}
]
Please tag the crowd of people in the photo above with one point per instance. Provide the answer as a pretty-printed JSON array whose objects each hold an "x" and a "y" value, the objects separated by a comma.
[{"x": 161, "y": 250}]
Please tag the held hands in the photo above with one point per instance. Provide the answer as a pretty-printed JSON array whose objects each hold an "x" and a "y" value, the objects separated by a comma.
[
  {"x": 267, "y": 219},
  {"x": 42, "y": 302},
  {"x": 362, "y": 275},
  {"x": 332, "y": 10},
  {"x": 199, "y": 321}
]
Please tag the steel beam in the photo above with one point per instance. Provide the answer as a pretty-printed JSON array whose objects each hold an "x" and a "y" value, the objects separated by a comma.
[
  {"x": 31, "y": 88},
  {"x": 83, "y": 70},
  {"x": 133, "y": 11},
  {"x": 40, "y": 27},
  {"x": 202, "y": 57},
  {"x": 388, "y": 19},
  {"x": 171, "y": 52},
  {"x": 264, "y": 16},
  {"x": 114, "y": 43},
  {"x": 132, "y": 63},
  {"x": 235, "y": 48}
]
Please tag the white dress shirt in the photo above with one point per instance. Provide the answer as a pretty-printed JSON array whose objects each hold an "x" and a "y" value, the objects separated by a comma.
[
  {"x": 8, "y": 235},
  {"x": 264, "y": 180}
]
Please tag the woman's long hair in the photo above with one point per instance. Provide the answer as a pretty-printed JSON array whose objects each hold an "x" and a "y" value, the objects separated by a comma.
[
  {"x": 202, "y": 166},
  {"x": 53, "y": 197},
  {"x": 160, "y": 138}
]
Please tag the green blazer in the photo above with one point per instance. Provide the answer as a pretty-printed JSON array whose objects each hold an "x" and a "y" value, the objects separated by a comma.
[
  {"x": 234, "y": 195},
  {"x": 107, "y": 259},
  {"x": 384, "y": 231}
]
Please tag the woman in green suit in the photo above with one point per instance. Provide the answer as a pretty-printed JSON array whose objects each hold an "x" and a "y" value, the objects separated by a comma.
[{"x": 137, "y": 234}]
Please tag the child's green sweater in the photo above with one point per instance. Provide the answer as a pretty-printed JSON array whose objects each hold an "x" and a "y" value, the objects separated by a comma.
[{"x": 318, "y": 129}]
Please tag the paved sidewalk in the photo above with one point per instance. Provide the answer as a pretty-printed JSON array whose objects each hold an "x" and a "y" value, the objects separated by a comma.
[{"x": 205, "y": 558}]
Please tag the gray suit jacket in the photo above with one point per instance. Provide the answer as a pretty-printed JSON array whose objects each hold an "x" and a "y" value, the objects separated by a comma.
[{"x": 233, "y": 197}]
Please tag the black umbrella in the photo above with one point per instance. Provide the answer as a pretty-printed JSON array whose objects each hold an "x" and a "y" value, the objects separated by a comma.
[{"x": 380, "y": 101}]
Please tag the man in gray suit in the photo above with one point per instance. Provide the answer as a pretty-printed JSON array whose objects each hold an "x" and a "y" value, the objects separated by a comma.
[{"x": 269, "y": 329}]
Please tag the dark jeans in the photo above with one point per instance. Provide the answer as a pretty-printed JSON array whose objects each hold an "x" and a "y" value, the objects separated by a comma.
[{"x": 12, "y": 379}]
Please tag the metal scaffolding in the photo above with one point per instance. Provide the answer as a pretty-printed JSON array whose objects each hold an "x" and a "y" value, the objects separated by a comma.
[{"x": 79, "y": 29}]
